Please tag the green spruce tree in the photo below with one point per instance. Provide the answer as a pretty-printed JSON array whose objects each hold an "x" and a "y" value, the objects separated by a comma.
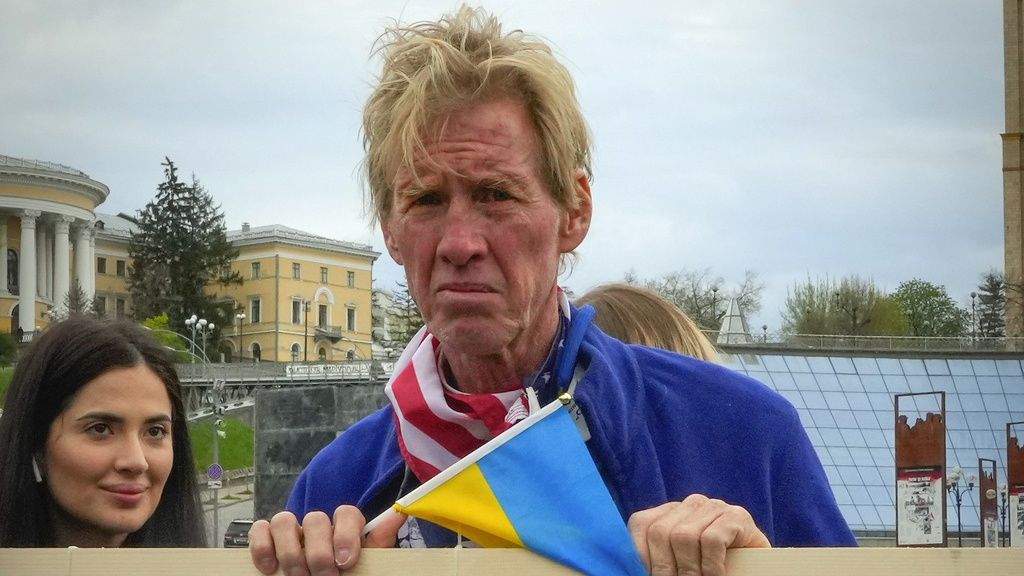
[
  {"x": 180, "y": 254},
  {"x": 990, "y": 311}
]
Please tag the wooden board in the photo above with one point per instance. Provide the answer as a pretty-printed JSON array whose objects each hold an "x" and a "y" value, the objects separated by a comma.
[{"x": 459, "y": 562}]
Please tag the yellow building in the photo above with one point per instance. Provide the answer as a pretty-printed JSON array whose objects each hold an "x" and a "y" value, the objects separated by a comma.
[{"x": 303, "y": 297}]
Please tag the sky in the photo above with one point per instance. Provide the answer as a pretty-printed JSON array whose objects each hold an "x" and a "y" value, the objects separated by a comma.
[{"x": 793, "y": 138}]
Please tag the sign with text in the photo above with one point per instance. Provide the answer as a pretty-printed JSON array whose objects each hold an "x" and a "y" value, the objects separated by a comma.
[{"x": 343, "y": 371}]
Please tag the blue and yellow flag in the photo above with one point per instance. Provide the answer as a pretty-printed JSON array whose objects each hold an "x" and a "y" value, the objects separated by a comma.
[{"x": 535, "y": 486}]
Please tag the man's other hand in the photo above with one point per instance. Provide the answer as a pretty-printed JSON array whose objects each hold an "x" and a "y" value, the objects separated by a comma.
[
  {"x": 317, "y": 546},
  {"x": 690, "y": 537}
]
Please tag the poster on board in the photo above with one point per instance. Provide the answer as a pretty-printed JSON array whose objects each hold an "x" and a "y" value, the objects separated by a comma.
[
  {"x": 1016, "y": 517},
  {"x": 919, "y": 511}
]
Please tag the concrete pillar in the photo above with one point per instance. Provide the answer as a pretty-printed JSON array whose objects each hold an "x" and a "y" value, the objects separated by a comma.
[
  {"x": 27, "y": 274},
  {"x": 3, "y": 254},
  {"x": 61, "y": 261},
  {"x": 90, "y": 292},
  {"x": 82, "y": 264},
  {"x": 40, "y": 249},
  {"x": 1013, "y": 162},
  {"x": 48, "y": 258}
]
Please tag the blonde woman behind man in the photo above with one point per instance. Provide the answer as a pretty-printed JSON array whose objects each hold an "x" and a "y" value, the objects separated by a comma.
[{"x": 635, "y": 315}]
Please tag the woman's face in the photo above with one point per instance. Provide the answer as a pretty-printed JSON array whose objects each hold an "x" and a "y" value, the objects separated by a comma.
[{"x": 108, "y": 456}]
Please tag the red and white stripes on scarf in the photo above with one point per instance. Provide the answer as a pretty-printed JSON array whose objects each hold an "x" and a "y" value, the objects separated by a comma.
[{"x": 438, "y": 425}]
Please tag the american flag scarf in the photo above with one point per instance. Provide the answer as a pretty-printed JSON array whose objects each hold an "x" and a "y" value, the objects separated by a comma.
[{"x": 438, "y": 425}]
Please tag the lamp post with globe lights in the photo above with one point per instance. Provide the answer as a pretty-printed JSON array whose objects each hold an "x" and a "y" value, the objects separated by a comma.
[
  {"x": 958, "y": 491},
  {"x": 199, "y": 326},
  {"x": 1003, "y": 504},
  {"x": 240, "y": 317}
]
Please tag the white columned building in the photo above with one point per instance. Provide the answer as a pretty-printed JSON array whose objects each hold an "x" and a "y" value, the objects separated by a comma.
[{"x": 44, "y": 209}]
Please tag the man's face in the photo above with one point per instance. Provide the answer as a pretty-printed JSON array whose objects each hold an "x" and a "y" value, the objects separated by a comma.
[{"x": 479, "y": 234}]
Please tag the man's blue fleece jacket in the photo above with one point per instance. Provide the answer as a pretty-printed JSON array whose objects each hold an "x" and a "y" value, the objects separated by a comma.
[{"x": 663, "y": 426}]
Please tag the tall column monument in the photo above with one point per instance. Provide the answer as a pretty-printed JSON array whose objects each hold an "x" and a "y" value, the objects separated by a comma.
[{"x": 1013, "y": 195}]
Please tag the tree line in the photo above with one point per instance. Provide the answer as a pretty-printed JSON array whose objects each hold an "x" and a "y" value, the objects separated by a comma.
[{"x": 850, "y": 305}]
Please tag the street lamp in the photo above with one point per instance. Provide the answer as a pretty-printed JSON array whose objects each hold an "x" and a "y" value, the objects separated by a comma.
[
  {"x": 305, "y": 331},
  {"x": 202, "y": 327},
  {"x": 1003, "y": 504},
  {"x": 241, "y": 325},
  {"x": 954, "y": 487},
  {"x": 764, "y": 329},
  {"x": 714, "y": 307},
  {"x": 974, "y": 317}
]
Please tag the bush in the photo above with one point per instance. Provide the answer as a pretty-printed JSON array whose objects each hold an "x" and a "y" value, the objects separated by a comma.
[
  {"x": 8, "y": 349},
  {"x": 5, "y": 382}
]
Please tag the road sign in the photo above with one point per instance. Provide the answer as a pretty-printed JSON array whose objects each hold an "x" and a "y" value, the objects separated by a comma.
[
  {"x": 213, "y": 484},
  {"x": 214, "y": 472}
]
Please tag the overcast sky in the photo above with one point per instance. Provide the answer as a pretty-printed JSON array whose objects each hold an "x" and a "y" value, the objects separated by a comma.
[{"x": 792, "y": 138}]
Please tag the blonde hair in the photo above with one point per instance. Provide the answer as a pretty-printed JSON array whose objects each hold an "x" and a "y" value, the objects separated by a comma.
[
  {"x": 639, "y": 316},
  {"x": 432, "y": 68}
]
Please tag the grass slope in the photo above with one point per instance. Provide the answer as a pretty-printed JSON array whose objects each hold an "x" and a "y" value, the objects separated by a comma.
[{"x": 235, "y": 450}]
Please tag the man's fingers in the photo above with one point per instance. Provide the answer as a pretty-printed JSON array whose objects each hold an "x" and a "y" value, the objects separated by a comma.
[
  {"x": 385, "y": 534},
  {"x": 287, "y": 536},
  {"x": 261, "y": 547},
  {"x": 348, "y": 535},
  {"x": 317, "y": 538},
  {"x": 638, "y": 524},
  {"x": 734, "y": 528}
]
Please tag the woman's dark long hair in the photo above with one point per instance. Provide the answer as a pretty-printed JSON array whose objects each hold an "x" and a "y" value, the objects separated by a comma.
[{"x": 59, "y": 363}]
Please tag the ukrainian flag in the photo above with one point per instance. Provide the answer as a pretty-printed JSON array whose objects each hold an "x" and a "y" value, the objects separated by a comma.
[{"x": 535, "y": 486}]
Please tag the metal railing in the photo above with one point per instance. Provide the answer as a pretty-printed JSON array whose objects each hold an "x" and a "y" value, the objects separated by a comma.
[
  {"x": 40, "y": 165},
  {"x": 874, "y": 343}
]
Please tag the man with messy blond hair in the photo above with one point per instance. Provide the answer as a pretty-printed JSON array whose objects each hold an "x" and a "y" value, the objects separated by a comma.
[{"x": 478, "y": 162}]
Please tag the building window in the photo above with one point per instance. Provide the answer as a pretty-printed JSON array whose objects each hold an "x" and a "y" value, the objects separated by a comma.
[
  {"x": 12, "y": 271},
  {"x": 121, "y": 308},
  {"x": 99, "y": 304},
  {"x": 101, "y": 265},
  {"x": 255, "y": 271},
  {"x": 323, "y": 275},
  {"x": 295, "y": 352},
  {"x": 322, "y": 354},
  {"x": 296, "y": 271},
  {"x": 321, "y": 316},
  {"x": 120, "y": 267},
  {"x": 351, "y": 279},
  {"x": 296, "y": 311},
  {"x": 351, "y": 319},
  {"x": 254, "y": 311},
  {"x": 257, "y": 352},
  {"x": 350, "y": 355}
]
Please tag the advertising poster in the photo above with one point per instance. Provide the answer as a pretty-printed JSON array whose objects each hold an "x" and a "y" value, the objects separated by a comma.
[
  {"x": 991, "y": 532},
  {"x": 919, "y": 513},
  {"x": 1016, "y": 517}
]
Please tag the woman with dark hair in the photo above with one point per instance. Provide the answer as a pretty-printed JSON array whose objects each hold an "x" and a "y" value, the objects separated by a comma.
[{"x": 95, "y": 445}]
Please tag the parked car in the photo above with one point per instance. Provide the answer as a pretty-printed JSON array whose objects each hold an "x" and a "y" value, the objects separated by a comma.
[{"x": 237, "y": 534}]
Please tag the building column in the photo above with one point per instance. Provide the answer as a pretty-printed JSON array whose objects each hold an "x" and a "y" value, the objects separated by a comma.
[
  {"x": 40, "y": 250},
  {"x": 48, "y": 286},
  {"x": 61, "y": 257},
  {"x": 3, "y": 254},
  {"x": 90, "y": 292},
  {"x": 82, "y": 266},
  {"x": 27, "y": 274}
]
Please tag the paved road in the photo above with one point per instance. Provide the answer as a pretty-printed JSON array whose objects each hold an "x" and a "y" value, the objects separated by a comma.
[{"x": 227, "y": 511}]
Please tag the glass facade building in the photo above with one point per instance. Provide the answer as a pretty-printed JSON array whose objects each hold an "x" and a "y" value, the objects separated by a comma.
[{"x": 846, "y": 404}]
